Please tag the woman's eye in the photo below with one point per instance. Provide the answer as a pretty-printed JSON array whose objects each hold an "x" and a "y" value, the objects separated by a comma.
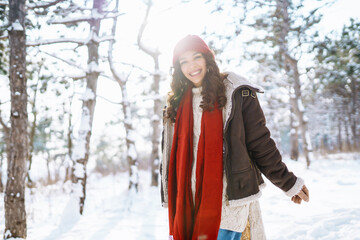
[
  {"x": 198, "y": 56},
  {"x": 182, "y": 63}
]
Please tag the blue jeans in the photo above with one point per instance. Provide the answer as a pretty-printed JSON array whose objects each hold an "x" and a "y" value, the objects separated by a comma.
[{"x": 228, "y": 235}]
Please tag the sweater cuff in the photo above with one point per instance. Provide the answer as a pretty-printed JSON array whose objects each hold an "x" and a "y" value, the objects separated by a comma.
[
  {"x": 164, "y": 205},
  {"x": 296, "y": 188}
]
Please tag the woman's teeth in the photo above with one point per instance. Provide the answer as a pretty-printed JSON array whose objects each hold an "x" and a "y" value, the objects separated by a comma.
[{"x": 195, "y": 73}]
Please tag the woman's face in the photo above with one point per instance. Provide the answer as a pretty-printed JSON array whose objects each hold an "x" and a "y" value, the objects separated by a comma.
[{"x": 193, "y": 66}]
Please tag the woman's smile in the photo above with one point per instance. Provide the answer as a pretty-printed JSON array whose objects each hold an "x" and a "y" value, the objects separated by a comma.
[{"x": 193, "y": 66}]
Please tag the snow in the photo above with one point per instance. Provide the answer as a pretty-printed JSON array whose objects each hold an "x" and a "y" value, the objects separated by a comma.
[
  {"x": 93, "y": 67},
  {"x": 88, "y": 95},
  {"x": 17, "y": 93},
  {"x": 15, "y": 114},
  {"x": 112, "y": 212},
  {"x": 134, "y": 178},
  {"x": 96, "y": 15},
  {"x": 7, "y": 233},
  {"x": 79, "y": 149},
  {"x": 132, "y": 151},
  {"x": 16, "y": 26},
  {"x": 308, "y": 140},
  {"x": 131, "y": 136},
  {"x": 300, "y": 105},
  {"x": 79, "y": 171},
  {"x": 155, "y": 118}
]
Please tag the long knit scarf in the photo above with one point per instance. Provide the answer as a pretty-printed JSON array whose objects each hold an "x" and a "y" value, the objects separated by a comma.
[{"x": 202, "y": 219}]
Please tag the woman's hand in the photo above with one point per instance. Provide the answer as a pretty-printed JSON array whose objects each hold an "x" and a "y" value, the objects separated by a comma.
[{"x": 302, "y": 195}]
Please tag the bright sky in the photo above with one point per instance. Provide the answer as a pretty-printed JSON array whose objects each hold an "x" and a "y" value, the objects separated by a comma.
[{"x": 165, "y": 28}]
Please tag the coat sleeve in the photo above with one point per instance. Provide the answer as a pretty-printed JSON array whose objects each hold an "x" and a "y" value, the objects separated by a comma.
[{"x": 263, "y": 148}]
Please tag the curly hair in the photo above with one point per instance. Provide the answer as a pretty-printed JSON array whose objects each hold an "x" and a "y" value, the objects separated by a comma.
[{"x": 213, "y": 88}]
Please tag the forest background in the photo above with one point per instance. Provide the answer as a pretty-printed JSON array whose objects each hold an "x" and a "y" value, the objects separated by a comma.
[{"x": 82, "y": 95}]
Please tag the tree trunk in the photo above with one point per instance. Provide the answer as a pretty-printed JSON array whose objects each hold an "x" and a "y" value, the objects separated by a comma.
[
  {"x": 131, "y": 154},
  {"x": 81, "y": 152},
  {"x": 1, "y": 170},
  {"x": 355, "y": 113},
  {"x": 291, "y": 68},
  {"x": 68, "y": 160},
  {"x": 339, "y": 139},
  {"x": 15, "y": 214},
  {"x": 346, "y": 126},
  {"x": 293, "y": 137},
  {"x": 155, "y": 122}
]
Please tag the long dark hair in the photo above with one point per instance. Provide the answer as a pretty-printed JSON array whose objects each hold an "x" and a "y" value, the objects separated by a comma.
[{"x": 213, "y": 88}]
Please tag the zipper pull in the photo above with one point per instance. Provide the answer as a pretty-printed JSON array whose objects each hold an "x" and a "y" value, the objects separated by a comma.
[{"x": 227, "y": 200}]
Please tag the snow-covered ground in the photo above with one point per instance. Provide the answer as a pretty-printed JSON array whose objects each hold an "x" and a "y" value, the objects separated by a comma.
[{"x": 111, "y": 212}]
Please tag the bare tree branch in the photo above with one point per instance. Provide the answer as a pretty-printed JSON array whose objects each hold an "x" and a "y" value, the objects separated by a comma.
[
  {"x": 71, "y": 63},
  {"x": 138, "y": 67},
  {"x": 43, "y": 4},
  {"x": 4, "y": 36},
  {"x": 59, "y": 40},
  {"x": 85, "y": 18},
  {"x": 152, "y": 52},
  {"x": 120, "y": 79}
]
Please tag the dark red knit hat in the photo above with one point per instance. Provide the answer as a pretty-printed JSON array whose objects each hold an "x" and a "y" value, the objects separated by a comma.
[{"x": 190, "y": 43}]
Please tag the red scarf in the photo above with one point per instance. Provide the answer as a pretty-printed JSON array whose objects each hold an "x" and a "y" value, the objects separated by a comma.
[{"x": 202, "y": 221}]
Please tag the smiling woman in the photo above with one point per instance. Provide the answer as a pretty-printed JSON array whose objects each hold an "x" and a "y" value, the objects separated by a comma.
[
  {"x": 215, "y": 147},
  {"x": 193, "y": 65}
]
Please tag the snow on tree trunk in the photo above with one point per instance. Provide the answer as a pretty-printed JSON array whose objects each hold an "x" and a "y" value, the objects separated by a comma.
[
  {"x": 81, "y": 151},
  {"x": 291, "y": 68},
  {"x": 131, "y": 154},
  {"x": 15, "y": 214},
  {"x": 155, "y": 121}
]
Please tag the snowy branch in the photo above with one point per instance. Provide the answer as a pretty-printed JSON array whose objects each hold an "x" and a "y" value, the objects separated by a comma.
[
  {"x": 4, "y": 36},
  {"x": 43, "y": 4},
  {"x": 59, "y": 40},
  {"x": 73, "y": 64},
  {"x": 3, "y": 3},
  {"x": 98, "y": 96},
  {"x": 102, "y": 39},
  {"x": 92, "y": 17},
  {"x": 80, "y": 42},
  {"x": 118, "y": 78},
  {"x": 138, "y": 67},
  {"x": 152, "y": 52}
]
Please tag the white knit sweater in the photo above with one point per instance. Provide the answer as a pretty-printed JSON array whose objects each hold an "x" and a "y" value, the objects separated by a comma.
[{"x": 233, "y": 218}]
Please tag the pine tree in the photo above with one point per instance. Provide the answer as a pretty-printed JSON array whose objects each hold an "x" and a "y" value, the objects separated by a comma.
[{"x": 337, "y": 70}]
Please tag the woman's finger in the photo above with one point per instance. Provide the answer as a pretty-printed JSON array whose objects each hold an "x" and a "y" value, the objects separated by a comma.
[{"x": 303, "y": 195}]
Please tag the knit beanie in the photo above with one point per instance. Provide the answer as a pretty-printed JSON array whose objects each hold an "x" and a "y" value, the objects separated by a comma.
[{"x": 190, "y": 43}]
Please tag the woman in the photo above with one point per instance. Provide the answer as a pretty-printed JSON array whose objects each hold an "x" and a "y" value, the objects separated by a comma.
[{"x": 215, "y": 147}]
